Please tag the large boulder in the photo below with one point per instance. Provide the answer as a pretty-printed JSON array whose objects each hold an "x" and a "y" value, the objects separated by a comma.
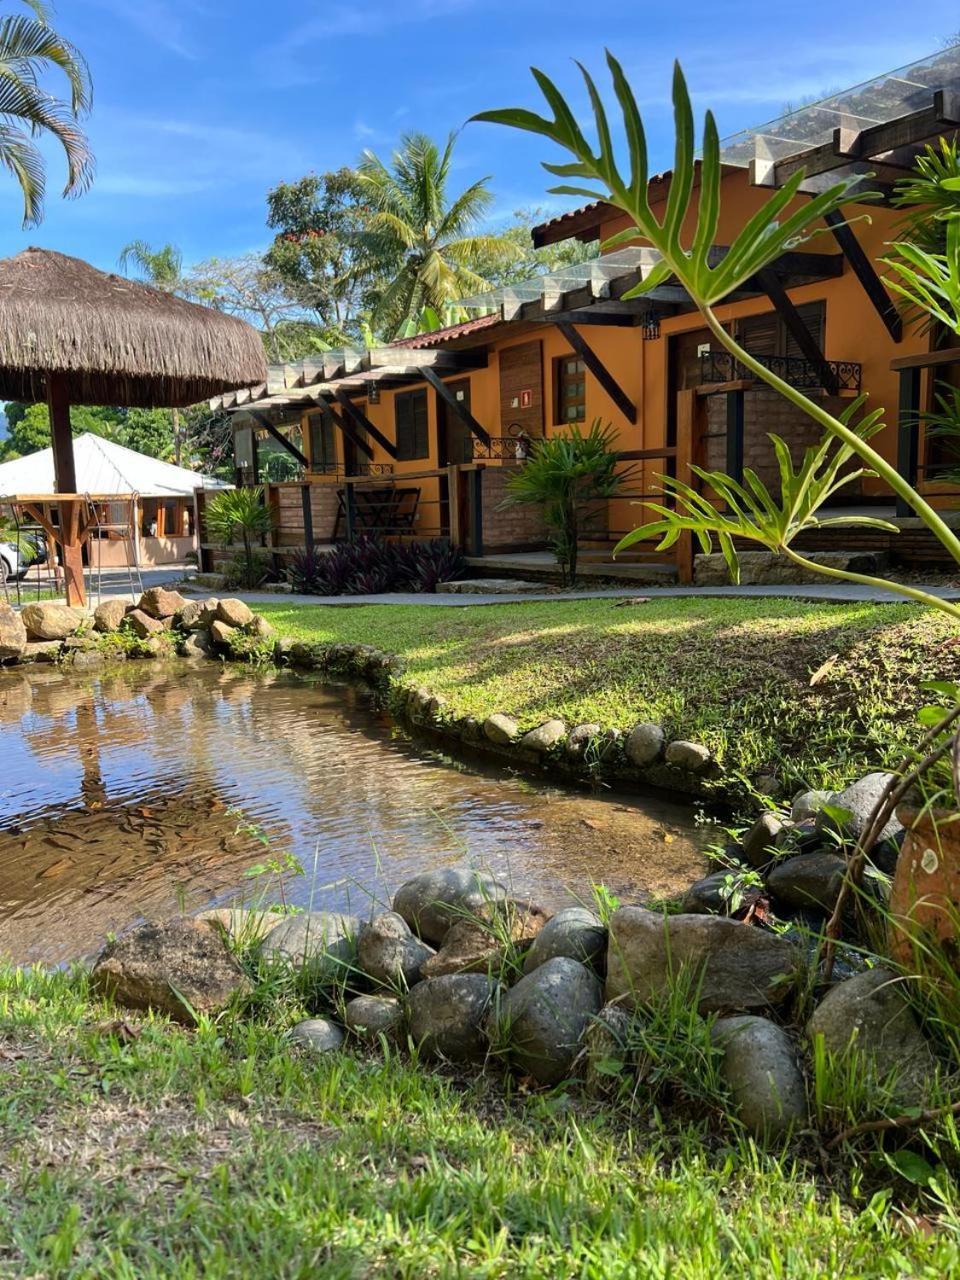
[
  {"x": 324, "y": 941},
  {"x": 711, "y": 895},
  {"x": 574, "y": 932},
  {"x": 207, "y": 614},
  {"x": 868, "y": 1016},
  {"x": 182, "y": 968},
  {"x": 761, "y": 1071},
  {"x": 544, "y": 737},
  {"x": 736, "y": 966},
  {"x": 234, "y": 613},
  {"x": 242, "y": 925},
  {"x": 579, "y": 739},
  {"x": 693, "y": 757},
  {"x": 431, "y": 902},
  {"x": 319, "y": 1035},
  {"x": 446, "y": 1016},
  {"x": 109, "y": 614},
  {"x": 809, "y": 880},
  {"x": 390, "y": 953},
  {"x": 644, "y": 744},
  {"x": 221, "y": 633},
  {"x": 501, "y": 729},
  {"x": 371, "y": 1016},
  {"x": 48, "y": 621},
  {"x": 161, "y": 603},
  {"x": 859, "y": 800},
  {"x": 143, "y": 625},
  {"x": 539, "y": 1022},
  {"x": 13, "y": 634},
  {"x": 480, "y": 944},
  {"x": 761, "y": 841},
  {"x": 197, "y": 645}
]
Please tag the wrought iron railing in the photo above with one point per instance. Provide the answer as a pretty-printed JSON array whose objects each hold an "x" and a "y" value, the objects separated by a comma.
[
  {"x": 516, "y": 448},
  {"x": 805, "y": 375},
  {"x": 359, "y": 469}
]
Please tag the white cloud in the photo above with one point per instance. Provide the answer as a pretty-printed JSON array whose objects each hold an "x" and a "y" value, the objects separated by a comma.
[{"x": 159, "y": 21}]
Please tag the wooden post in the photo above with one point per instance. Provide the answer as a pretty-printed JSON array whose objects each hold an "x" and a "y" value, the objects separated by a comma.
[
  {"x": 65, "y": 480},
  {"x": 454, "y": 498},
  {"x": 686, "y": 423},
  {"x": 735, "y": 407}
]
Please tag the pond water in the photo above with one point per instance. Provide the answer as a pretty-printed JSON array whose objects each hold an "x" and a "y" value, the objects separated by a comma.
[{"x": 145, "y": 790}]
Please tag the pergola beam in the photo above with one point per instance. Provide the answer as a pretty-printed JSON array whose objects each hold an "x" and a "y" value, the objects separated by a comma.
[
  {"x": 345, "y": 428},
  {"x": 599, "y": 370},
  {"x": 361, "y": 420},
  {"x": 456, "y": 406}
]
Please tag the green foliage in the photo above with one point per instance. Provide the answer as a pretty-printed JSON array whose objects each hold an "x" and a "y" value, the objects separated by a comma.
[
  {"x": 420, "y": 239},
  {"x": 930, "y": 194},
  {"x": 564, "y": 475},
  {"x": 161, "y": 267},
  {"x": 148, "y": 431},
  {"x": 929, "y": 280},
  {"x": 240, "y": 515},
  {"x": 30, "y": 47}
]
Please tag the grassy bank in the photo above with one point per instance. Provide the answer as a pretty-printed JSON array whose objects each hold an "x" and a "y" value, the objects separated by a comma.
[
  {"x": 816, "y": 693},
  {"x": 134, "y": 1148}
]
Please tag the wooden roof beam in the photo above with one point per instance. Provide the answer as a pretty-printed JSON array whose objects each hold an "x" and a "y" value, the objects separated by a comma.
[
  {"x": 866, "y": 273},
  {"x": 345, "y": 428},
  {"x": 783, "y": 304},
  {"x": 457, "y": 406},
  {"x": 599, "y": 370},
  {"x": 361, "y": 420},
  {"x": 262, "y": 420}
]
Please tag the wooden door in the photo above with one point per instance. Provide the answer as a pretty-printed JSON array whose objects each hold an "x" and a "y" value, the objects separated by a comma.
[
  {"x": 521, "y": 390},
  {"x": 455, "y": 439}
]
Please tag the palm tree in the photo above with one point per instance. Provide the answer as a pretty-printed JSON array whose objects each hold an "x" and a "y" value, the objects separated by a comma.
[
  {"x": 163, "y": 268},
  {"x": 425, "y": 244},
  {"x": 29, "y": 46}
]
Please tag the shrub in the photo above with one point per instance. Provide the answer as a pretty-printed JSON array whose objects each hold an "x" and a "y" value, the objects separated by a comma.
[
  {"x": 239, "y": 514},
  {"x": 371, "y": 567},
  {"x": 424, "y": 565}
]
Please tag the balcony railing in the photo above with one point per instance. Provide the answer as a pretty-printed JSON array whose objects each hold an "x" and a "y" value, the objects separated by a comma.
[
  {"x": 805, "y": 375},
  {"x": 338, "y": 470},
  {"x": 514, "y": 448}
]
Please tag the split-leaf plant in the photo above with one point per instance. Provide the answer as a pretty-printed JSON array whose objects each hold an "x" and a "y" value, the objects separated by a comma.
[{"x": 684, "y": 240}]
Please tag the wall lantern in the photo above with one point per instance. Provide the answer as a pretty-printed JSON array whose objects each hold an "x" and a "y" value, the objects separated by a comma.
[
  {"x": 650, "y": 325},
  {"x": 373, "y": 393}
]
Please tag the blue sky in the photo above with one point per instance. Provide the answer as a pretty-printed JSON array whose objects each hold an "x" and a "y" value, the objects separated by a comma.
[{"x": 202, "y": 105}]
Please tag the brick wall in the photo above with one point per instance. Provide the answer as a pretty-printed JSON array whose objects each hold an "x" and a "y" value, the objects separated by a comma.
[
  {"x": 287, "y": 503},
  {"x": 764, "y": 411},
  {"x": 510, "y": 528}
]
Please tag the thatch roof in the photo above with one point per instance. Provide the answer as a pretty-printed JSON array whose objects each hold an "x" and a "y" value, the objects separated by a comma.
[{"x": 115, "y": 341}]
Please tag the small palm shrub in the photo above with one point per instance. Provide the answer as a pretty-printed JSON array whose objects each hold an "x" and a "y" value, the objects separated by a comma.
[
  {"x": 239, "y": 515},
  {"x": 568, "y": 476}
]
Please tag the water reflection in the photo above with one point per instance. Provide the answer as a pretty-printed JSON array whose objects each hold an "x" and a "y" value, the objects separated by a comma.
[{"x": 141, "y": 790}]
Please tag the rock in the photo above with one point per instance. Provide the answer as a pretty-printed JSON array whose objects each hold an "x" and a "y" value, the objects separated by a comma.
[
  {"x": 545, "y": 737},
  {"x": 322, "y": 940},
  {"x": 181, "y": 968},
  {"x": 579, "y": 739},
  {"x": 501, "y": 729},
  {"x": 710, "y": 895},
  {"x": 143, "y": 625},
  {"x": 13, "y": 634},
  {"x": 234, "y": 613},
  {"x": 208, "y": 613},
  {"x": 760, "y": 842},
  {"x": 388, "y": 952},
  {"x": 260, "y": 627},
  {"x": 480, "y": 944},
  {"x": 691, "y": 756},
  {"x": 432, "y": 901},
  {"x": 644, "y": 744},
  {"x": 198, "y": 644},
  {"x": 39, "y": 650},
  {"x": 108, "y": 615},
  {"x": 186, "y": 617},
  {"x": 606, "y": 1046},
  {"x": 737, "y": 966},
  {"x": 86, "y": 659},
  {"x": 46, "y": 621},
  {"x": 241, "y": 924},
  {"x": 574, "y": 932},
  {"x": 868, "y": 1015},
  {"x": 446, "y": 1016},
  {"x": 221, "y": 633},
  {"x": 320, "y": 1035},
  {"x": 860, "y": 799},
  {"x": 541, "y": 1020},
  {"x": 811, "y": 879},
  {"x": 807, "y": 804},
  {"x": 607, "y": 745},
  {"x": 371, "y": 1016},
  {"x": 762, "y": 1073},
  {"x": 161, "y": 603}
]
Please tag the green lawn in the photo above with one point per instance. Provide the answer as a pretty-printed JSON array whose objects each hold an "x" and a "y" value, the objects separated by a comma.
[
  {"x": 136, "y": 1149},
  {"x": 734, "y": 674}
]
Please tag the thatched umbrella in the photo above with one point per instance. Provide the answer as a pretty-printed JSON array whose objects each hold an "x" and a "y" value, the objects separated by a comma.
[{"x": 70, "y": 334}]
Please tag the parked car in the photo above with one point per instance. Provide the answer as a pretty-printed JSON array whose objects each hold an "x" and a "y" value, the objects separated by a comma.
[{"x": 16, "y": 560}]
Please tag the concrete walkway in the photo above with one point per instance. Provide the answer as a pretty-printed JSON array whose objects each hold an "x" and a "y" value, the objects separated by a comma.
[{"x": 116, "y": 584}]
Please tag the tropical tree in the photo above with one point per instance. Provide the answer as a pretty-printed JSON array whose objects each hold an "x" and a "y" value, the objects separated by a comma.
[
  {"x": 424, "y": 242},
  {"x": 568, "y": 476},
  {"x": 29, "y": 48},
  {"x": 240, "y": 514},
  {"x": 926, "y": 279}
]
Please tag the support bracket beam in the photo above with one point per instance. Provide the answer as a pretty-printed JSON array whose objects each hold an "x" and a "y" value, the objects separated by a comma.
[
  {"x": 263, "y": 421},
  {"x": 599, "y": 370},
  {"x": 455, "y": 406},
  {"x": 346, "y": 428},
  {"x": 865, "y": 272},
  {"x": 361, "y": 420},
  {"x": 801, "y": 335}
]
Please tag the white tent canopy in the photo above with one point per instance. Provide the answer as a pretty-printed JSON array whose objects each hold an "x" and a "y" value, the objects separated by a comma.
[{"x": 104, "y": 468}]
